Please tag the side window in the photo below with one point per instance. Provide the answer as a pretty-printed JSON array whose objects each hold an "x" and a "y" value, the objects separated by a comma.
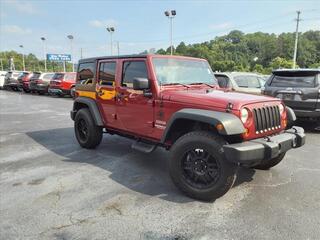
[
  {"x": 223, "y": 81},
  {"x": 107, "y": 73},
  {"x": 131, "y": 70},
  {"x": 85, "y": 73}
]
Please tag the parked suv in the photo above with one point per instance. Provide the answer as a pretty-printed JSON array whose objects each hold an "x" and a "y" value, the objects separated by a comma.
[
  {"x": 240, "y": 81},
  {"x": 175, "y": 102},
  {"x": 24, "y": 81},
  {"x": 62, "y": 84},
  {"x": 2, "y": 76},
  {"x": 11, "y": 80},
  {"x": 39, "y": 82},
  {"x": 299, "y": 89}
]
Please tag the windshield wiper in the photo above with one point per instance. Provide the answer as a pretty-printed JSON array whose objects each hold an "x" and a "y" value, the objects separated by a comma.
[
  {"x": 167, "y": 84},
  {"x": 202, "y": 84}
]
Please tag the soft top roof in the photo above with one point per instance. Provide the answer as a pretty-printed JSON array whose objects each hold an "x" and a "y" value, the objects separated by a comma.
[{"x": 310, "y": 70}]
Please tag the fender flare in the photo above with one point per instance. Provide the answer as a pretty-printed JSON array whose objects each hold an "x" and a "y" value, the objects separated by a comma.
[
  {"x": 291, "y": 116},
  {"x": 93, "y": 108},
  {"x": 232, "y": 125}
]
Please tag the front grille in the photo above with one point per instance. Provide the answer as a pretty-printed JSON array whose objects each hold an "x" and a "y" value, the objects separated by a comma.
[{"x": 266, "y": 119}]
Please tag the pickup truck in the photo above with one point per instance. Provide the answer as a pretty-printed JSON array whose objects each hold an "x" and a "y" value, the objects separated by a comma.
[{"x": 175, "y": 102}]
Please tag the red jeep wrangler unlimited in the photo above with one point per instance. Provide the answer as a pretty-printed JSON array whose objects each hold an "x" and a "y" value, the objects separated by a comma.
[{"x": 175, "y": 102}]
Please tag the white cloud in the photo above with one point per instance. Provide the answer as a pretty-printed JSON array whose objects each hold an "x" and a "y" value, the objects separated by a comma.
[
  {"x": 221, "y": 26},
  {"x": 23, "y": 6},
  {"x": 102, "y": 23},
  {"x": 14, "y": 29}
]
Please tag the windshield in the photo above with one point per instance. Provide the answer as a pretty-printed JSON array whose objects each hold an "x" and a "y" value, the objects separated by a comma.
[
  {"x": 302, "y": 79},
  {"x": 182, "y": 71}
]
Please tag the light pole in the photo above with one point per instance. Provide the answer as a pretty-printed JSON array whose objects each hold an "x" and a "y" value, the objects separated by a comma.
[
  {"x": 171, "y": 14},
  {"x": 111, "y": 31},
  {"x": 23, "y": 64},
  {"x": 71, "y": 48},
  {"x": 43, "y": 39}
]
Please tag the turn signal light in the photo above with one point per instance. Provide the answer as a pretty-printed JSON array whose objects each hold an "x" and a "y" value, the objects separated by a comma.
[
  {"x": 284, "y": 122},
  {"x": 219, "y": 127},
  {"x": 246, "y": 132}
]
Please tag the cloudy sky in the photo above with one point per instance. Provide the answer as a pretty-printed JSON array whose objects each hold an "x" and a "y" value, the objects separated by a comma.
[{"x": 140, "y": 25}]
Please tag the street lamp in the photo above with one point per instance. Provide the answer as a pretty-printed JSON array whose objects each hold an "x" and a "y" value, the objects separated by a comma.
[
  {"x": 71, "y": 48},
  {"x": 43, "y": 39},
  {"x": 24, "y": 67},
  {"x": 111, "y": 31},
  {"x": 171, "y": 14}
]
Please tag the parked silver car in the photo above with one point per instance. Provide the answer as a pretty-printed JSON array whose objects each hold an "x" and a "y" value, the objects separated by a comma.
[{"x": 240, "y": 81}]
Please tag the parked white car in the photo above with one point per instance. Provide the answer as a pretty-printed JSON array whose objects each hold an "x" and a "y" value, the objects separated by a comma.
[
  {"x": 240, "y": 81},
  {"x": 2, "y": 76}
]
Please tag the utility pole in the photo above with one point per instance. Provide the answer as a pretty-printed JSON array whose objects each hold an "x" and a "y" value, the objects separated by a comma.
[
  {"x": 296, "y": 41},
  {"x": 80, "y": 53},
  {"x": 118, "y": 48}
]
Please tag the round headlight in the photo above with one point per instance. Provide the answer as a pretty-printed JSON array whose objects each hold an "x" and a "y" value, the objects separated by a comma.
[
  {"x": 244, "y": 115},
  {"x": 281, "y": 108}
]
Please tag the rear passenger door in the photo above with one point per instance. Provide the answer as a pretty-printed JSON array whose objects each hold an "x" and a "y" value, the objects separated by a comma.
[{"x": 105, "y": 90}]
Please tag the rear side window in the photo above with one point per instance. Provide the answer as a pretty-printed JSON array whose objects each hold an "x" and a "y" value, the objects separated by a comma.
[
  {"x": 107, "y": 73},
  {"x": 86, "y": 73},
  {"x": 223, "y": 81},
  {"x": 297, "y": 79},
  {"x": 247, "y": 81},
  {"x": 58, "y": 76},
  {"x": 70, "y": 76},
  {"x": 47, "y": 76},
  {"x": 131, "y": 70}
]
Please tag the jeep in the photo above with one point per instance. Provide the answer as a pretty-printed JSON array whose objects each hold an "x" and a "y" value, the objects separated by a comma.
[{"x": 175, "y": 102}]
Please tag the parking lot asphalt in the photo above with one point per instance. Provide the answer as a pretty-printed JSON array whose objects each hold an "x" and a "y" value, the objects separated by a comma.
[{"x": 51, "y": 188}]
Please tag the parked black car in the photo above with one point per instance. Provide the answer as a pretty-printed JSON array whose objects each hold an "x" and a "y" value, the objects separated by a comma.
[{"x": 298, "y": 88}]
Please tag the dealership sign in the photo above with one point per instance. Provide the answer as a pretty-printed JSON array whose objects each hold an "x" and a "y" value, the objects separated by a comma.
[{"x": 58, "y": 57}]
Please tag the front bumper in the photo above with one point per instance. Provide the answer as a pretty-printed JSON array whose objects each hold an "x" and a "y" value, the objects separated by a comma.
[
  {"x": 255, "y": 151},
  {"x": 58, "y": 91}
]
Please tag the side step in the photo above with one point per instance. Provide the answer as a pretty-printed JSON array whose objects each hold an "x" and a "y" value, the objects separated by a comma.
[{"x": 143, "y": 147}]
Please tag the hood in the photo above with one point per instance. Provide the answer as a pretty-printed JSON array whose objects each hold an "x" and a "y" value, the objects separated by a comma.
[{"x": 214, "y": 98}]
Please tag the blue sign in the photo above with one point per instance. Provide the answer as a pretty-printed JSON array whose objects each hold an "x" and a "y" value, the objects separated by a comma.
[{"x": 59, "y": 57}]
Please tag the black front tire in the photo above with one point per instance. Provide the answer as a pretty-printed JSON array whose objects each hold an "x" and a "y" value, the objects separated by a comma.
[
  {"x": 88, "y": 134},
  {"x": 266, "y": 165},
  {"x": 211, "y": 185}
]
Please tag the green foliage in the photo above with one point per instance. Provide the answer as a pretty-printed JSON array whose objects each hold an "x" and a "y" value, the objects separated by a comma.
[
  {"x": 258, "y": 52},
  {"x": 32, "y": 63}
]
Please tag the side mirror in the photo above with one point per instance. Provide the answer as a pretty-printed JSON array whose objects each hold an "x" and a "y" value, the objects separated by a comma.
[{"x": 141, "y": 84}]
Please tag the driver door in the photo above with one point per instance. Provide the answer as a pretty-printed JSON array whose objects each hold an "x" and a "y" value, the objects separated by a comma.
[{"x": 134, "y": 110}]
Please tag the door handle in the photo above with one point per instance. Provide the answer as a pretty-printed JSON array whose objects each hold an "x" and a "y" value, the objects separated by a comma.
[{"x": 100, "y": 93}]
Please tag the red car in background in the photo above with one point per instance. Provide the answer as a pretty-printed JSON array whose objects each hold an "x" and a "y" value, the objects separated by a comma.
[
  {"x": 24, "y": 81},
  {"x": 62, "y": 83}
]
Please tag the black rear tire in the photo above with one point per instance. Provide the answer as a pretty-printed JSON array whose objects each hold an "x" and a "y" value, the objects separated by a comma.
[
  {"x": 88, "y": 134},
  {"x": 266, "y": 165},
  {"x": 198, "y": 166}
]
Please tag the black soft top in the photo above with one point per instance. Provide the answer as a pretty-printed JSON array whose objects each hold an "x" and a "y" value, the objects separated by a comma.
[{"x": 85, "y": 60}]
